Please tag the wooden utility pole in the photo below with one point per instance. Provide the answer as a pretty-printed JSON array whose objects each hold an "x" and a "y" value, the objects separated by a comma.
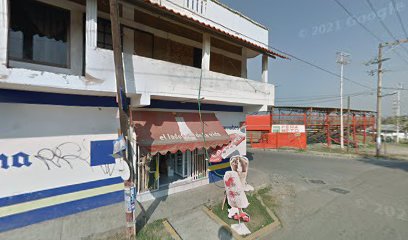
[
  {"x": 380, "y": 60},
  {"x": 123, "y": 111},
  {"x": 379, "y": 86}
]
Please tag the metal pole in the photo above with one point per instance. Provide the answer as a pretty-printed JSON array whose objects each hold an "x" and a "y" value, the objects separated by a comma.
[
  {"x": 341, "y": 108},
  {"x": 342, "y": 60},
  {"x": 379, "y": 85},
  {"x": 398, "y": 110},
  {"x": 123, "y": 110},
  {"x": 348, "y": 123}
]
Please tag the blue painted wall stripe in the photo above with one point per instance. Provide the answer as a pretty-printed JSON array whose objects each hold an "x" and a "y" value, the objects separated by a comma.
[
  {"x": 6, "y": 201},
  {"x": 60, "y": 210},
  {"x": 31, "y": 97},
  {"x": 193, "y": 106}
]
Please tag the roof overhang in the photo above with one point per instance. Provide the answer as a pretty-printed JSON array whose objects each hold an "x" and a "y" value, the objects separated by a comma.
[{"x": 180, "y": 17}]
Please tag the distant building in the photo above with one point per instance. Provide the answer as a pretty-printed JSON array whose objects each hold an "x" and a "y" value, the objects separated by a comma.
[{"x": 58, "y": 107}]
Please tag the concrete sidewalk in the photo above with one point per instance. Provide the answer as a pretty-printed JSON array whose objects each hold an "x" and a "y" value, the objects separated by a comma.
[
  {"x": 178, "y": 205},
  {"x": 198, "y": 225}
]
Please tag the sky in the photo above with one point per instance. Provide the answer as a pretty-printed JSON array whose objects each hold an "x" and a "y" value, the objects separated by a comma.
[{"x": 315, "y": 30}]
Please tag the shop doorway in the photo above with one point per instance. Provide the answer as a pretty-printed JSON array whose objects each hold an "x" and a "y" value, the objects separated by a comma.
[{"x": 176, "y": 168}]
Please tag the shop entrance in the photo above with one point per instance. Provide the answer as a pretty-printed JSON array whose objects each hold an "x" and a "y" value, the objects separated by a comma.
[{"x": 177, "y": 168}]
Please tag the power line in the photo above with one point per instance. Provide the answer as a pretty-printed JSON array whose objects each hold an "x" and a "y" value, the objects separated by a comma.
[
  {"x": 313, "y": 99},
  {"x": 400, "y": 19},
  {"x": 320, "y": 68},
  {"x": 383, "y": 24},
  {"x": 355, "y": 19},
  {"x": 290, "y": 55},
  {"x": 367, "y": 30}
]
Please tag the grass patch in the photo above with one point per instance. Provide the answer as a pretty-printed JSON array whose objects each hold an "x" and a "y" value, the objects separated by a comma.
[
  {"x": 267, "y": 198},
  {"x": 259, "y": 216},
  {"x": 154, "y": 231}
]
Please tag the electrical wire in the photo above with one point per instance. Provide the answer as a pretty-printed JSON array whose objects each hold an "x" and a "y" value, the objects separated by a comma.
[
  {"x": 368, "y": 30},
  {"x": 400, "y": 19},
  {"x": 322, "y": 69},
  {"x": 283, "y": 52},
  {"x": 383, "y": 24},
  {"x": 317, "y": 97},
  {"x": 317, "y": 100}
]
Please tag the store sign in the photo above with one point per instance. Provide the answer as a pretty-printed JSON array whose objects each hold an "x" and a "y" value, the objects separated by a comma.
[
  {"x": 288, "y": 128},
  {"x": 237, "y": 145}
]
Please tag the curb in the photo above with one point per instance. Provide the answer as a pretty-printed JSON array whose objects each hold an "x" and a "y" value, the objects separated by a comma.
[
  {"x": 256, "y": 235},
  {"x": 173, "y": 233},
  {"x": 316, "y": 153}
]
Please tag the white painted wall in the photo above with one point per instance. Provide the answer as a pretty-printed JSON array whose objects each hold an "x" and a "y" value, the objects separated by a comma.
[
  {"x": 145, "y": 77},
  {"x": 29, "y": 128},
  {"x": 219, "y": 16},
  {"x": 165, "y": 79}
]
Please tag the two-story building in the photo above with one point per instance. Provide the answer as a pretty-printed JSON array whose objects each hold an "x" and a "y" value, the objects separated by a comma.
[{"x": 58, "y": 110}]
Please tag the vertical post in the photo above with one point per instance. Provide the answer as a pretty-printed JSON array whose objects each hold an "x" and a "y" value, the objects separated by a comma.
[
  {"x": 305, "y": 119},
  {"x": 205, "y": 63},
  {"x": 328, "y": 130},
  {"x": 123, "y": 107},
  {"x": 342, "y": 60},
  {"x": 265, "y": 60},
  {"x": 91, "y": 26},
  {"x": 244, "y": 67},
  {"x": 341, "y": 109},
  {"x": 348, "y": 123},
  {"x": 364, "y": 129},
  {"x": 3, "y": 32},
  {"x": 354, "y": 131},
  {"x": 398, "y": 113},
  {"x": 379, "y": 84}
]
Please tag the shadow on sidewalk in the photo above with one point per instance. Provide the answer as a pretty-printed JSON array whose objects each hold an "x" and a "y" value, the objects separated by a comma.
[
  {"x": 144, "y": 216},
  {"x": 394, "y": 163}
]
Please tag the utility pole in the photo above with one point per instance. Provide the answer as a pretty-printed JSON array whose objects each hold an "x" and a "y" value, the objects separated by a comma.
[
  {"x": 123, "y": 114},
  {"x": 380, "y": 60},
  {"x": 379, "y": 86},
  {"x": 342, "y": 59},
  {"x": 348, "y": 123},
  {"x": 398, "y": 110}
]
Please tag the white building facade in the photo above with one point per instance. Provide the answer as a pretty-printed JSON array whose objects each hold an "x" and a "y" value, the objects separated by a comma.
[{"x": 58, "y": 111}]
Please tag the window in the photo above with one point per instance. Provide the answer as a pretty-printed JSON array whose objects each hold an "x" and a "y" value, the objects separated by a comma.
[
  {"x": 143, "y": 43},
  {"x": 104, "y": 34},
  {"x": 38, "y": 33}
]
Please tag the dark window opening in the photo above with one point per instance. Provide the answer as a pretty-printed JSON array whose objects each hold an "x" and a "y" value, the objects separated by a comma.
[
  {"x": 38, "y": 33},
  {"x": 143, "y": 43},
  {"x": 104, "y": 39},
  {"x": 197, "y": 58}
]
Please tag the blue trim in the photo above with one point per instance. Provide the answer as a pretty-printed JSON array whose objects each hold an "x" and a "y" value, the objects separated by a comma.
[
  {"x": 6, "y": 201},
  {"x": 154, "y": 103},
  {"x": 60, "y": 210},
  {"x": 29, "y": 97},
  {"x": 218, "y": 175}
]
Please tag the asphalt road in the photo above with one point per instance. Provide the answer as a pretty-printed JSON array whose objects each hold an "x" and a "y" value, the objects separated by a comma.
[{"x": 334, "y": 198}]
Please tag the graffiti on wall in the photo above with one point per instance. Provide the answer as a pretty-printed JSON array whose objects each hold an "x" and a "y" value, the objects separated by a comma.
[
  {"x": 63, "y": 154},
  {"x": 66, "y": 154}
]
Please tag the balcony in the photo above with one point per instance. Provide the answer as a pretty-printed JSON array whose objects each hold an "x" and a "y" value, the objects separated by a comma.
[
  {"x": 219, "y": 16},
  {"x": 148, "y": 78}
]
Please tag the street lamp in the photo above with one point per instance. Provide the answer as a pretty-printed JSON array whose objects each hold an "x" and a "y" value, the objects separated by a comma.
[{"x": 342, "y": 59}]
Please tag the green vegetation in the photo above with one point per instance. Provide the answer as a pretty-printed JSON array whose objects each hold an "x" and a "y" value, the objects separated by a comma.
[
  {"x": 154, "y": 231},
  {"x": 258, "y": 213}
]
